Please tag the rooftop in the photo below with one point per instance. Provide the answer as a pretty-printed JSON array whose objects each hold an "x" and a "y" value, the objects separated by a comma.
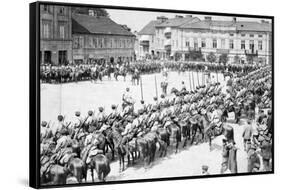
[{"x": 85, "y": 24}]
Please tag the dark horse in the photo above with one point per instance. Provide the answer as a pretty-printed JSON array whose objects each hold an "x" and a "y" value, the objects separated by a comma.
[
  {"x": 101, "y": 164},
  {"x": 120, "y": 73}
]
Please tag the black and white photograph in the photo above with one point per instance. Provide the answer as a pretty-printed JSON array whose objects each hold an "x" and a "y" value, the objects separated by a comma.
[{"x": 131, "y": 95}]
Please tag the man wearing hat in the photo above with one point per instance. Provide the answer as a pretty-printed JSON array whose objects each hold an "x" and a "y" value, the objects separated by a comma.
[
  {"x": 44, "y": 130},
  {"x": 127, "y": 98},
  {"x": 114, "y": 113},
  {"x": 78, "y": 119},
  {"x": 63, "y": 141},
  {"x": 58, "y": 125},
  {"x": 247, "y": 133},
  {"x": 205, "y": 170},
  {"x": 101, "y": 117},
  {"x": 89, "y": 119}
]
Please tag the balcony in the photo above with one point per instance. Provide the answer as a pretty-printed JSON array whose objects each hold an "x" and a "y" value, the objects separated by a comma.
[
  {"x": 223, "y": 51},
  {"x": 144, "y": 43},
  {"x": 167, "y": 30},
  {"x": 251, "y": 52},
  {"x": 167, "y": 42}
]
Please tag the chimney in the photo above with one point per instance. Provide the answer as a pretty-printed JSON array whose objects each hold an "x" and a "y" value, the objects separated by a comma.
[
  {"x": 208, "y": 18},
  {"x": 91, "y": 12},
  {"x": 178, "y": 16},
  {"x": 161, "y": 19},
  {"x": 234, "y": 19}
]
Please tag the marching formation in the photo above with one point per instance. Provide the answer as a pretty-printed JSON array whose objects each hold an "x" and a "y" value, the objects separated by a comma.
[
  {"x": 96, "y": 71},
  {"x": 72, "y": 148}
]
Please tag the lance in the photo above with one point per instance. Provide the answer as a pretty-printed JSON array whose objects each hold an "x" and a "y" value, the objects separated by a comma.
[
  {"x": 141, "y": 88},
  {"x": 203, "y": 77},
  {"x": 197, "y": 77},
  {"x": 156, "y": 87},
  {"x": 190, "y": 88},
  {"x": 217, "y": 76},
  {"x": 193, "y": 80}
]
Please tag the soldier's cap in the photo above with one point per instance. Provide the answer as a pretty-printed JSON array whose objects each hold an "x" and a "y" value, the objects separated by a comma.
[
  {"x": 77, "y": 113},
  {"x": 205, "y": 167},
  {"x": 44, "y": 123},
  {"x": 162, "y": 96},
  {"x": 100, "y": 109},
  {"x": 90, "y": 112},
  {"x": 80, "y": 135},
  {"x": 269, "y": 112},
  {"x": 155, "y": 98},
  {"x": 142, "y": 101},
  {"x": 60, "y": 117},
  {"x": 141, "y": 111},
  {"x": 253, "y": 147},
  {"x": 64, "y": 131},
  {"x": 113, "y": 106},
  {"x": 127, "y": 89}
]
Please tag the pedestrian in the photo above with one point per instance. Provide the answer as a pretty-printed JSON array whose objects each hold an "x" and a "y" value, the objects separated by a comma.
[
  {"x": 205, "y": 169},
  {"x": 247, "y": 134}
]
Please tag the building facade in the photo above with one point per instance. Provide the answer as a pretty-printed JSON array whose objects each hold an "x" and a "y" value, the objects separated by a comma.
[
  {"x": 242, "y": 41},
  {"x": 100, "y": 38},
  {"x": 55, "y": 34}
]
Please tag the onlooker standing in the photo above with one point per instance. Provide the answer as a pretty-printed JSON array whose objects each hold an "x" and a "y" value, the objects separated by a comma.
[{"x": 247, "y": 134}]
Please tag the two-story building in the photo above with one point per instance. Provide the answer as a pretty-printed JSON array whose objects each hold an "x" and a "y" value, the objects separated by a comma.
[
  {"x": 55, "y": 34},
  {"x": 100, "y": 38},
  {"x": 177, "y": 37}
]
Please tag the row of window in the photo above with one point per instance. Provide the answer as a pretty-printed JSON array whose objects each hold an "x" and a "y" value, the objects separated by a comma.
[
  {"x": 214, "y": 44},
  {"x": 101, "y": 42},
  {"x": 223, "y": 44},
  {"x": 46, "y": 30},
  {"x": 47, "y": 9}
]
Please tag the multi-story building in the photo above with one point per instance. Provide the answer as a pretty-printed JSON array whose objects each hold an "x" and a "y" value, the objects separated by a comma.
[
  {"x": 240, "y": 40},
  {"x": 100, "y": 38},
  {"x": 55, "y": 36}
]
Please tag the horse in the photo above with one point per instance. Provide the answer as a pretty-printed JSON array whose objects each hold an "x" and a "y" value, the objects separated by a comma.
[
  {"x": 101, "y": 164},
  {"x": 135, "y": 77},
  {"x": 175, "y": 134},
  {"x": 120, "y": 73},
  {"x": 164, "y": 140},
  {"x": 52, "y": 173}
]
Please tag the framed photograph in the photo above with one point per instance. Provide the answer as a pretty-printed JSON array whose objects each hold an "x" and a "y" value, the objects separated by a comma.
[{"x": 127, "y": 94}]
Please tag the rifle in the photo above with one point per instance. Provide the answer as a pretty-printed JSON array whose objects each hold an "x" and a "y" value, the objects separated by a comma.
[{"x": 80, "y": 127}]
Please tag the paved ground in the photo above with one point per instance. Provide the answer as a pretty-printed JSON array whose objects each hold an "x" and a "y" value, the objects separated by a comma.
[{"x": 67, "y": 98}]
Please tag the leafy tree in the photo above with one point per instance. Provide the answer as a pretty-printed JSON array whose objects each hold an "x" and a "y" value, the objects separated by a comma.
[
  {"x": 250, "y": 59},
  {"x": 236, "y": 59},
  {"x": 85, "y": 10},
  {"x": 211, "y": 57},
  {"x": 223, "y": 58}
]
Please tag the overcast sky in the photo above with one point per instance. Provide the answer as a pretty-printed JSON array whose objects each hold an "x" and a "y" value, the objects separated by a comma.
[{"x": 136, "y": 20}]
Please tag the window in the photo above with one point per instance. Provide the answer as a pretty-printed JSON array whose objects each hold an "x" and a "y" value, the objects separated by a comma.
[
  {"x": 243, "y": 35},
  {"x": 252, "y": 45},
  {"x": 203, "y": 43},
  {"x": 260, "y": 35},
  {"x": 242, "y": 44},
  {"x": 260, "y": 45},
  {"x": 187, "y": 44},
  {"x": 252, "y": 35},
  {"x": 195, "y": 43},
  {"x": 215, "y": 43},
  {"x": 61, "y": 10},
  {"x": 62, "y": 32},
  {"x": 46, "y": 8},
  {"x": 222, "y": 43},
  {"x": 46, "y": 30},
  {"x": 94, "y": 43},
  {"x": 231, "y": 44}
]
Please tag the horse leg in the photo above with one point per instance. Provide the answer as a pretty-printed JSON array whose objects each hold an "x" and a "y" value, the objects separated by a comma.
[{"x": 92, "y": 173}]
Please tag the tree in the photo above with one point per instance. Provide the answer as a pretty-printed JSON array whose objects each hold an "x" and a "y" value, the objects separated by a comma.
[
  {"x": 211, "y": 57},
  {"x": 250, "y": 59},
  {"x": 223, "y": 58},
  {"x": 236, "y": 59},
  {"x": 85, "y": 10}
]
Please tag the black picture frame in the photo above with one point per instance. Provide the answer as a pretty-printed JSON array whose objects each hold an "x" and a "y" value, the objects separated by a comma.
[{"x": 34, "y": 92}]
